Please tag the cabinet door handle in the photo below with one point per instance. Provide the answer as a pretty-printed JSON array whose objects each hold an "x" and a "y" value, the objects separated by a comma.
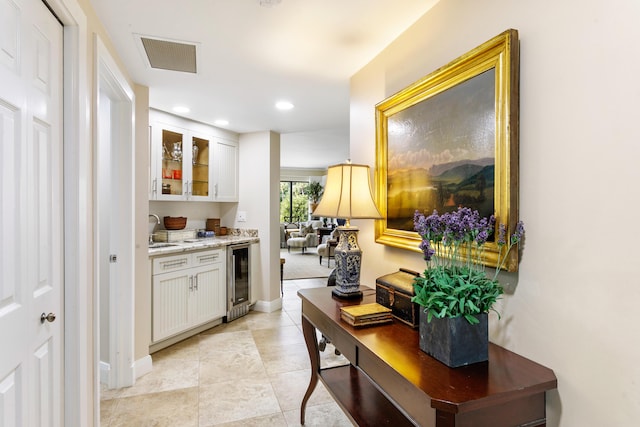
[
  {"x": 191, "y": 283},
  {"x": 154, "y": 186},
  {"x": 208, "y": 258},
  {"x": 215, "y": 190},
  {"x": 195, "y": 282},
  {"x": 233, "y": 279}
]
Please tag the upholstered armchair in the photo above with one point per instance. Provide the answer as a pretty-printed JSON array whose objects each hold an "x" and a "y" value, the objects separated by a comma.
[
  {"x": 328, "y": 246},
  {"x": 306, "y": 231},
  {"x": 298, "y": 241},
  {"x": 284, "y": 232}
]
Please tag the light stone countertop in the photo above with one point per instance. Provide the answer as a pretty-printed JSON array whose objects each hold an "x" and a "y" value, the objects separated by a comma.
[{"x": 201, "y": 243}]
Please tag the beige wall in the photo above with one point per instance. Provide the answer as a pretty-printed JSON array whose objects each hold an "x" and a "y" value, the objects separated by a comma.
[
  {"x": 142, "y": 291},
  {"x": 259, "y": 189},
  {"x": 81, "y": 393},
  {"x": 574, "y": 307},
  {"x": 142, "y": 296}
]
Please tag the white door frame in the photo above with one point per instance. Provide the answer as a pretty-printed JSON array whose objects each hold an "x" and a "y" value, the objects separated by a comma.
[
  {"x": 81, "y": 392},
  {"x": 114, "y": 204}
]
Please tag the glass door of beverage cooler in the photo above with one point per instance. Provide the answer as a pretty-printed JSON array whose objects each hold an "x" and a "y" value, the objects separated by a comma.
[{"x": 239, "y": 281}]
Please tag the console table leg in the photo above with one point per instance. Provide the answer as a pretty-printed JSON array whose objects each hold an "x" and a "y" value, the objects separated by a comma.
[{"x": 310, "y": 339}]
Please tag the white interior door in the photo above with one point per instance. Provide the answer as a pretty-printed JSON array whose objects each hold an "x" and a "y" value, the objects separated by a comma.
[{"x": 31, "y": 248}]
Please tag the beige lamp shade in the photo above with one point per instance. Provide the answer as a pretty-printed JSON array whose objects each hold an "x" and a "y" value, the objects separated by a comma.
[{"x": 347, "y": 193}]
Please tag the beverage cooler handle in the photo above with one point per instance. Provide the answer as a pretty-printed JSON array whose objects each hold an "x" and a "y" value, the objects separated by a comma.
[{"x": 233, "y": 278}]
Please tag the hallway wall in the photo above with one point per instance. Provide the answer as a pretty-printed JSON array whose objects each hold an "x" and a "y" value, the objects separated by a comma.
[{"x": 572, "y": 304}]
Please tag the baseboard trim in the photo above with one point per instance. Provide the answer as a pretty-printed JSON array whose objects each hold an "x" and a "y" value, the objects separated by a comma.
[
  {"x": 182, "y": 336},
  {"x": 142, "y": 366},
  {"x": 104, "y": 372},
  {"x": 268, "y": 306}
]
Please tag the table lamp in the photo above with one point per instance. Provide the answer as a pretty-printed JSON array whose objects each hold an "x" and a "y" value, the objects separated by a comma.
[{"x": 347, "y": 194}]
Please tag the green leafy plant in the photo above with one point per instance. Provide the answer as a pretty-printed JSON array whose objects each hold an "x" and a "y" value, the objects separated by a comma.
[
  {"x": 314, "y": 191},
  {"x": 455, "y": 282},
  {"x": 294, "y": 203}
]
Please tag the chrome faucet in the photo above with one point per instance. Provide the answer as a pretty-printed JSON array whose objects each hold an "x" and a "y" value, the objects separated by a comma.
[{"x": 154, "y": 228}]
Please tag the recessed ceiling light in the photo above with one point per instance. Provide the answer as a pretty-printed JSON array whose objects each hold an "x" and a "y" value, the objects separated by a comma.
[
  {"x": 181, "y": 109},
  {"x": 269, "y": 3},
  {"x": 284, "y": 105},
  {"x": 221, "y": 122}
]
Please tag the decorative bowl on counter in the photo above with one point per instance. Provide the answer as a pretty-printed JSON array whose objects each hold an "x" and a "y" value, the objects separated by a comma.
[{"x": 175, "y": 222}]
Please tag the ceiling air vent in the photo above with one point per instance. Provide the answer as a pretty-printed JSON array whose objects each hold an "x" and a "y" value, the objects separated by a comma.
[{"x": 170, "y": 55}]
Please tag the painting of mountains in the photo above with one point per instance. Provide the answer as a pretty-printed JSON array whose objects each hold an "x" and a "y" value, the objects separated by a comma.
[
  {"x": 450, "y": 140},
  {"x": 441, "y": 153},
  {"x": 442, "y": 187}
]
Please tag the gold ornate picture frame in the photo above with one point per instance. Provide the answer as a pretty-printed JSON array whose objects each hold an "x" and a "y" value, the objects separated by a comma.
[{"x": 449, "y": 140}]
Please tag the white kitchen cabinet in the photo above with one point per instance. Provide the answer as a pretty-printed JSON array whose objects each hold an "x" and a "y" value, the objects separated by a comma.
[
  {"x": 189, "y": 165},
  {"x": 226, "y": 170},
  {"x": 181, "y": 164},
  {"x": 171, "y": 294},
  {"x": 189, "y": 290},
  {"x": 209, "y": 294}
]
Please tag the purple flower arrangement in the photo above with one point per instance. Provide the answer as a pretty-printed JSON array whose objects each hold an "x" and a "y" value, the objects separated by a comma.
[{"x": 455, "y": 281}]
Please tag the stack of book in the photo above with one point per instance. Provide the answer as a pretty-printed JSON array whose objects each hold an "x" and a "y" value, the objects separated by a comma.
[{"x": 366, "y": 314}]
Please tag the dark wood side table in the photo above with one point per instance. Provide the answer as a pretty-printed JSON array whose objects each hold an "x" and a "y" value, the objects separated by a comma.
[
  {"x": 331, "y": 246},
  {"x": 390, "y": 381},
  {"x": 324, "y": 231},
  {"x": 282, "y": 262}
]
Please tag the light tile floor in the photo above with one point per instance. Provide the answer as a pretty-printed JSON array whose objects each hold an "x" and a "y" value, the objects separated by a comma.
[{"x": 250, "y": 372}]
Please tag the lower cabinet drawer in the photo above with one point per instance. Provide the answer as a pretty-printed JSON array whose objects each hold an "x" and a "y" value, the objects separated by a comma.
[
  {"x": 208, "y": 257},
  {"x": 171, "y": 263}
]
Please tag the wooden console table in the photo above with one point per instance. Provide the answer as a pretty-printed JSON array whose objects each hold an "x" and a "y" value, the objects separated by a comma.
[{"x": 391, "y": 382}]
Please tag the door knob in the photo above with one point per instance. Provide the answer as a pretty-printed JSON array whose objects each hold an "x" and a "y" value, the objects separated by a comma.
[{"x": 48, "y": 317}]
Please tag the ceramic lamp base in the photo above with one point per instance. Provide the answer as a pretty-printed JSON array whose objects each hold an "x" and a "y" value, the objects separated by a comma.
[{"x": 348, "y": 257}]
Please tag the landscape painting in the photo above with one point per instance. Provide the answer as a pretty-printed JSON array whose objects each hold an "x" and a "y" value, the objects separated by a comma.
[
  {"x": 450, "y": 140},
  {"x": 441, "y": 153}
]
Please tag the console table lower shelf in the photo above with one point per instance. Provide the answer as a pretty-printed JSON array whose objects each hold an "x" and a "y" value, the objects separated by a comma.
[
  {"x": 367, "y": 404},
  {"x": 391, "y": 382}
]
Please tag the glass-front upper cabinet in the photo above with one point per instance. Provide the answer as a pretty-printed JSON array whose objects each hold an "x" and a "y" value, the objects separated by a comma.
[
  {"x": 181, "y": 162},
  {"x": 172, "y": 183},
  {"x": 200, "y": 158}
]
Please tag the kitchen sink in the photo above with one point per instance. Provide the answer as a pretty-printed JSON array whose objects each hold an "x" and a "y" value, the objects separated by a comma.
[{"x": 161, "y": 245}]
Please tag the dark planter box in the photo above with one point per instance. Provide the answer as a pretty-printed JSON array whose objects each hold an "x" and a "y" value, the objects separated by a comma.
[{"x": 454, "y": 341}]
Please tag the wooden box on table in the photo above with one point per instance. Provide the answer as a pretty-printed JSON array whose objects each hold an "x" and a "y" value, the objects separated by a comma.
[{"x": 395, "y": 291}]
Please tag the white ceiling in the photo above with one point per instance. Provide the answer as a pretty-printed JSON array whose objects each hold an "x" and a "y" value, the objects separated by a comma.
[{"x": 251, "y": 56}]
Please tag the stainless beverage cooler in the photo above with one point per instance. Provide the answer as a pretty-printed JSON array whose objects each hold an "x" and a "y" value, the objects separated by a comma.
[{"x": 238, "y": 280}]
